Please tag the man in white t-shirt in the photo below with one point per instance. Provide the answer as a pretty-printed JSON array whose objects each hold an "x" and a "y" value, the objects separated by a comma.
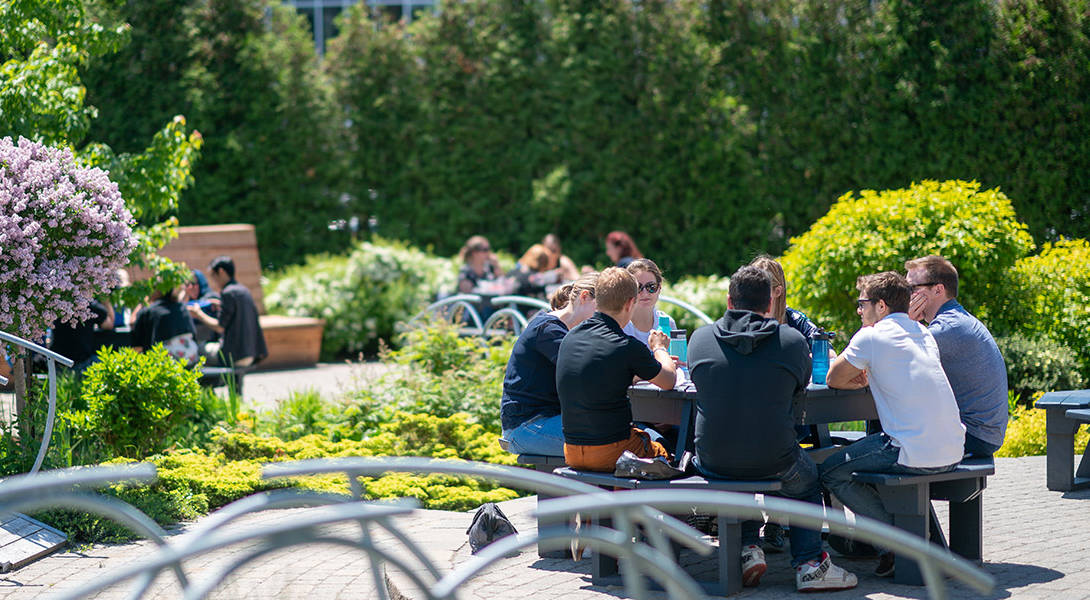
[{"x": 922, "y": 430}]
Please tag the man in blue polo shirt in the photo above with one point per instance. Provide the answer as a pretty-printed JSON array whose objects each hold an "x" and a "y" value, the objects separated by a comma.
[
  {"x": 969, "y": 355},
  {"x": 596, "y": 364}
]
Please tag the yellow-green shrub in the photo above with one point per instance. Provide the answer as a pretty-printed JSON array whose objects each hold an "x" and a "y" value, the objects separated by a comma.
[
  {"x": 1026, "y": 434},
  {"x": 1054, "y": 297},
  {"x": 880, "y": 230}
]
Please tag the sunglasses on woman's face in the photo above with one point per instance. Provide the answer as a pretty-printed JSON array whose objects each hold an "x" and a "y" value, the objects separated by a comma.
[{"x": 650, "y": 287}]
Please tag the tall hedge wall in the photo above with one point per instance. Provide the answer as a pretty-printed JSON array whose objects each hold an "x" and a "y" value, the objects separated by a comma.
[{"x": 710, "y": 129}]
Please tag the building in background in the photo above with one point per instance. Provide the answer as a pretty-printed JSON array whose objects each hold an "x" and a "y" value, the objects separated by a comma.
[{"x": 321, "y": 13}]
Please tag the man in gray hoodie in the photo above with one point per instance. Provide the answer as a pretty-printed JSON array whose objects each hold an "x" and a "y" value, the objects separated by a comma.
[{"x": 748, "y": 368}]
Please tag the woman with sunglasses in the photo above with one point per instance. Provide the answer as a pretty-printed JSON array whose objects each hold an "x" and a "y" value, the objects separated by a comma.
[
  {"x": 478, "y": 264},
  {"x": 530, "y": 405},
  {"x": 646, "y": 315}
]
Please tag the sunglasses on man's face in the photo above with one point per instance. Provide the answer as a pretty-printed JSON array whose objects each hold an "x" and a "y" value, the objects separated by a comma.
[{"x": 650, "y": 287}]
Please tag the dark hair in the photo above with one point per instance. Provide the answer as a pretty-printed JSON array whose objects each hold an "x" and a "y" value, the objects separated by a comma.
[
  {"x": 750, "y": 289},
  {"x": 889, "y": 286},
  {"x": 615, "y": 287},
  {"x": 223, "y": 263},
  {"x": 645, "y": 264},
  {"x": 938, "y": 270},
  {"x": 624, "y": 243}
]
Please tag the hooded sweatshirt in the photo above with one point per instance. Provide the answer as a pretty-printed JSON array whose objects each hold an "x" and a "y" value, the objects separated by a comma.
[{"x": 747, "y": 370}]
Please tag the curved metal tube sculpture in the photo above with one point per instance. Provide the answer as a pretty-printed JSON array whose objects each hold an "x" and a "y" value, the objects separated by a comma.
[
  {"x": 465, "y": 301},
  {"x": 689, "y": 307},
  {"x": 51, "y": 359}
]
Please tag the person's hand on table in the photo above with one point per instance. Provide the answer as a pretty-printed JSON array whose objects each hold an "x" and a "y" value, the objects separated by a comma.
[{"x": 657, "y": 339}]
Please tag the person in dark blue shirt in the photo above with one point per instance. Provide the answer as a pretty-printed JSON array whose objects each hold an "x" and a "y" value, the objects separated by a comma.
[{"x": 530, "y": 407}]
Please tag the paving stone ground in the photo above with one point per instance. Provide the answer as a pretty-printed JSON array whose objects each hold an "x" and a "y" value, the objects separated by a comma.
[{"x": 1036, "y": 543}]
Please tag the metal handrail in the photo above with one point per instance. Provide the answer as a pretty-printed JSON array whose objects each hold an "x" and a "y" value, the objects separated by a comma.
[
  {"x": 521, "y": 301},
  {"x": 466, "y": 301},
  {"x": 518, "y": 322},
  {"x": 51, "y": 414},
  {"x": 689, "y": 307},
  {"x": 934, "y": 561}
]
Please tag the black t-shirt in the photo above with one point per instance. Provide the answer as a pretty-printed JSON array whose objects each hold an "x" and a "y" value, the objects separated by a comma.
[
  {"x": 747, "y": 370},
  {"x": 529, "y": 384},
  {"x": 242, "y": 335},
  {"x": 78, "y": 343},
  {"x": 593, "y": 371},
  {"x": 160, "y": 321}
]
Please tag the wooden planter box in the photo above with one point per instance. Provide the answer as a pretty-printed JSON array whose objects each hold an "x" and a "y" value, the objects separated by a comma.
[{"x": 292, "y": 341}]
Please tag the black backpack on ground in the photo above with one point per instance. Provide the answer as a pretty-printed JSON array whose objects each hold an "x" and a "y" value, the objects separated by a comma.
[{"x": 489, "y": 525}]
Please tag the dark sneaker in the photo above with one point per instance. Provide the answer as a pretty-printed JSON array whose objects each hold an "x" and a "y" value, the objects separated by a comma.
[
  {"x": 850, "y": 548},
  {"x": 774, "y": 538},
  {"x": 885, "y": 565}
]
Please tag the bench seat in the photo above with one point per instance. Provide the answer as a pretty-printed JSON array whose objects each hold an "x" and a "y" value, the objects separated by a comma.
[
  {"x": 1065, "y": 412},
  {"x": 604, "y": 570},
  {"x": 909, "y": 497}
]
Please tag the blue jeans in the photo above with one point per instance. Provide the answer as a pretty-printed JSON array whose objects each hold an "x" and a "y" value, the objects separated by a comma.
[
  {"x": 539, "y": 435},
  {"x": 876, "y": 454},
  {"x": 975, "y": 446},
  {"x": 800, "y": 481}
]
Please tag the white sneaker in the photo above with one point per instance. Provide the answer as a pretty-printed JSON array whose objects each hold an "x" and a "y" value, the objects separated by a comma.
[
  {"x": 753, "y": 565},
  {"x": 822, "y": 576}
]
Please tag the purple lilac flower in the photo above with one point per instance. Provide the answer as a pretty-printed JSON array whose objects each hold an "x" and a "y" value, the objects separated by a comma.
[{"x": 64, "y": 233}]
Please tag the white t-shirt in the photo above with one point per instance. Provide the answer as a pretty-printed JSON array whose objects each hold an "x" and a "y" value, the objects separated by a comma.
[
  {"x": 642, "y": 336},
  {"x": 915, "y": 403}
]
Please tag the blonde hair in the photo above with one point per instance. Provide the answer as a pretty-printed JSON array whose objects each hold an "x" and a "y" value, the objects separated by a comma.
[
  {"x": 536, "y": 258},
  {"x": 615, "y": 287},
  {"x": 562, "y": 296},
  {"x": 769, "y": 265}
]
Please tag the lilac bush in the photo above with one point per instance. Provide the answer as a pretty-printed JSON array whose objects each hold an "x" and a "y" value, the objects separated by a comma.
[{"x": 64, "y": 232}]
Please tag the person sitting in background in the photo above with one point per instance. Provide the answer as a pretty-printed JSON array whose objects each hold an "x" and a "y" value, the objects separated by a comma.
[
  {"x": 921, "y": 428},
  {"x": 478, "y": 264},
  {"x": 198, "y": 293},
  {"x": 243, "y": 341},
  {"x": 780, "y": 310},
  {"x": 969, "y": 355},
  {"x": 559, "y": 260},
  {"x": 530, "y": 407},
  {"x": 77, "y": 341},
  {"x": 646, "y": 315},
  {"x": 748, "y": 369},
  {"x": 594, "y": 368},
  {"x": 531, "y": 274},
  {"x": 165, "y": 320},
  {"x": 621, "y": 249}
]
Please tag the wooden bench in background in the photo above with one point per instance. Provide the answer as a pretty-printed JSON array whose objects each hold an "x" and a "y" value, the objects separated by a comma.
[{"x": 292, "y": 341}]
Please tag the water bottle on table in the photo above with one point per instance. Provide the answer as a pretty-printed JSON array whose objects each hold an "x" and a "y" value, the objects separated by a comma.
[
  {"x": 819, "y": 348},
  {"x": 679, "y": 347}
]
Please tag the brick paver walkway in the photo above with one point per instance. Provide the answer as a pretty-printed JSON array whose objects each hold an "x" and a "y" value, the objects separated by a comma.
[{"x": 1036, "y": 543}]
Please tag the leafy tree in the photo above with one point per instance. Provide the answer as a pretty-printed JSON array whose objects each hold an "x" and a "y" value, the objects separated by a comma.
[{"x": 246, "y": 76}]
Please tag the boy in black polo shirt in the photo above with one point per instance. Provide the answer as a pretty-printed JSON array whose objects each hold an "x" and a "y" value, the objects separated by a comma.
[{"x": 596, "y": 364}]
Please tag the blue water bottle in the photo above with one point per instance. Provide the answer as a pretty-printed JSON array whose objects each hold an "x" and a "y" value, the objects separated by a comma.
[
  {"x": 664, "y": 324},
  {"x": 819, "y": 348}
]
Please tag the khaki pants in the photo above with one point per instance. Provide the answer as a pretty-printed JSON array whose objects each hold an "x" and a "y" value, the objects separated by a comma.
[{"x": 604, "y": 457}]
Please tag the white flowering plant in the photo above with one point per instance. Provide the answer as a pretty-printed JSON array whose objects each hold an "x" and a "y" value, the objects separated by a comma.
[{"x": 64, "y": 233}]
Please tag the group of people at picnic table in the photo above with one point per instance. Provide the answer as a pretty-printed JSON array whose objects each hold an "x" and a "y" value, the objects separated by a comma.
[
  {"x": 214, "y": 317},
  {"x": 936, "y": 375}
]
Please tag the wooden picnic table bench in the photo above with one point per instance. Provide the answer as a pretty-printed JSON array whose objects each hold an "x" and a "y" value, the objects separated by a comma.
[{"x": 1065, "y": 411}]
